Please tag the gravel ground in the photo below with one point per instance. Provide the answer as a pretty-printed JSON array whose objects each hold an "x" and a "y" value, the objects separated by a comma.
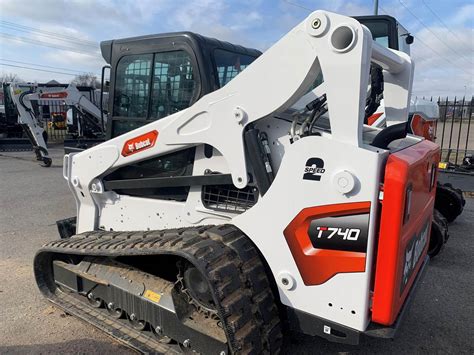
[{"x": 32, "y": 198}]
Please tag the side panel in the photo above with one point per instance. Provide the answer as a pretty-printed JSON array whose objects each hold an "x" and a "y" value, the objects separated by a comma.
[
  {"x": 328, "y": 240},
  {"x": 407, "y": 209},
  {"x": 341, "y": 296}
]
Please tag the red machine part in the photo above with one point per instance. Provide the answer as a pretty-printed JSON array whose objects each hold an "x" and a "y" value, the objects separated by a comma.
[
  {"x": 139, "y": 143},
  {"x": 315, "y": 265},
  {"x": 371, "y": 120},
  {"x": 54, "y": 95},
  {"x": 407, "y": 209},
  {"x": 423, "y": 127}
]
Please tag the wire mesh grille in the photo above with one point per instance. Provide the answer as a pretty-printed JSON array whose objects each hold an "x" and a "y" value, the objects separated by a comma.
[
  {"x": 132, "y": 86},
  {"x": 173, "y": 83},
  {"x": 229, "y": 198}
]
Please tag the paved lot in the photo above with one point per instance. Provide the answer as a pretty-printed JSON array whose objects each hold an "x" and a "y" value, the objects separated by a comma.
[{"x": 32, "y": 198}]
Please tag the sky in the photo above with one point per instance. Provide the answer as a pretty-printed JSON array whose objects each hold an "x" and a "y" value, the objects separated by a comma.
[{"x": 62, "y": 37}]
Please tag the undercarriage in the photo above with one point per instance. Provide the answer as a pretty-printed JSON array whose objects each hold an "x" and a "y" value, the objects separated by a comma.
[{"x": 148, "y": 289}]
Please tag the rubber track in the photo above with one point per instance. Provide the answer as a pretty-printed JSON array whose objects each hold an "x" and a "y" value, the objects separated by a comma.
[
  {"x": 15, "y": 145},
  {"x": 228, "y": 258}
]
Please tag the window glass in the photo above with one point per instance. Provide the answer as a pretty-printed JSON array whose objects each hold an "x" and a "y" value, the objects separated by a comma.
[
  {"x": 174, "y": 84},
  {"x": 379, "y": 32},
  {"x": 402, "y": 39},
  {"x": 229, "y": 64},
  {"x": 132, "y": 86}
]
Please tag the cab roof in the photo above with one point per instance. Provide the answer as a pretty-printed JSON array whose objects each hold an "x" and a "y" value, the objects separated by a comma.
[{"x": 198, "y": 41}]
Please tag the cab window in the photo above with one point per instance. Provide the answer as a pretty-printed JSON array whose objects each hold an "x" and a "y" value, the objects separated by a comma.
[
  {"x": 174, "y": 84},
  {"x": 132, "y": 86},
  {"x": 379, "y": 30},
  {"x": 153, "y": 86},
  {"x": 230, "y": 64},
  {"x": 402, "y": 39}
]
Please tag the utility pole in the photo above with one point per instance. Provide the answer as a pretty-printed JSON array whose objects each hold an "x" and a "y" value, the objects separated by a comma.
[{"x": 376, "y": 7}]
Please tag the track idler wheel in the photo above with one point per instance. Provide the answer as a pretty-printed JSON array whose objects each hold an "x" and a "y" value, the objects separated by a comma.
[
  {"x": 449, "y": 201},
  {"x": 158, "y": 333},
  {"x": 439, "y": 234},
  {"x": 94, "y": 301},
  {"x": 136, "y": 323},
  {"x": 198, "y": 288},
  {"x": 115, "y": 312}
]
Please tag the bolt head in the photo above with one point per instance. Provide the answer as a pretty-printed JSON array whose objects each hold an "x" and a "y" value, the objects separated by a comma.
[
  {"x": 133, "y": 316},
  {"x": 111, "y": 305},
  {"x": 187, "y": 343},
  {"x": 285, "y": 281},
  {"x": 158, "y": 330},
  {"x": 316, "y": 23}
]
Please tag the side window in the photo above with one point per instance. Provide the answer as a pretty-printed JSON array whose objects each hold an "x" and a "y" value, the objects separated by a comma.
[
  {"x": 402, "y": 39},
  {"x": 132, "y": 86},
  {"x": 230, "y": 64},
  {"x": 173, "y": 85},
  {"x": 379, "y": 30}
]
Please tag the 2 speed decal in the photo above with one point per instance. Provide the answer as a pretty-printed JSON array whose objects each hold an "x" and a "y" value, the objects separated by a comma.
[{"x": 314, "y": 169}]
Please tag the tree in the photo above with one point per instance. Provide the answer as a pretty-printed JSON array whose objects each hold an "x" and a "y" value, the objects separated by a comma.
[
  {"x": 10, "y": 77},
  {"x": 86, "y": 79}
]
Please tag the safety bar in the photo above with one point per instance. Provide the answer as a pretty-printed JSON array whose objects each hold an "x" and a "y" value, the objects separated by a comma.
[{"x": 388, "y": 59}]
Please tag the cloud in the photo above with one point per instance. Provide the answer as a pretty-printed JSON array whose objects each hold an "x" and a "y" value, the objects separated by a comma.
[
  {"x": 443, "y": 63},
  {"x": 68, "y": 59},
  {"x": 253, "y": 23},
  {"x": 463, "y": 16}
]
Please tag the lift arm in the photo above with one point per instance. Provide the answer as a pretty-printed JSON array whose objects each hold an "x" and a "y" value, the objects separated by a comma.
[{"x": 339, "y": 47}]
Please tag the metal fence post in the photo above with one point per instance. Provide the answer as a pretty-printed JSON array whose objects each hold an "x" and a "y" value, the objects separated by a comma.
[
  {"x": 444, "y": 125},
  {"x": 468, "y": 126},
  {"x": 459, "y": 131}
]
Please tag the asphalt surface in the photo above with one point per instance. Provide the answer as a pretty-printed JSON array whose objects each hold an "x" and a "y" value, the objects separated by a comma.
[{"x": 32, "y": 198}]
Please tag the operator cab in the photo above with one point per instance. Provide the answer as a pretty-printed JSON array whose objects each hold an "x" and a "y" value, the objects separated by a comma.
[
  {"x": 388, "y": 32},
  {"x": 157, "y": 75}
]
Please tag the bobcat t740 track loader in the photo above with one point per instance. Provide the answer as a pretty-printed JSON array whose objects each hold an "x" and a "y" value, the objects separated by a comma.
[{"x": 265, "y": 205}]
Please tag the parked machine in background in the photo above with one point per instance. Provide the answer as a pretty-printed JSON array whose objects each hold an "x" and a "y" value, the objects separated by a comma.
[
  {"x": 26, "y": 120},
  {"x": 222, "y": 210},
  {"x": 25, "y": 110},
  {"x": 9, "y": 127}
]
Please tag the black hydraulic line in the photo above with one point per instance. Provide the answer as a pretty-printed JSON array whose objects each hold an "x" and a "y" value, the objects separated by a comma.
[
  {"x": 22, "y": 95},
  {"x": 257, "y": 159},
  {"x": 389, "y": 134},
  {"x": 376, "y": 91}
]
